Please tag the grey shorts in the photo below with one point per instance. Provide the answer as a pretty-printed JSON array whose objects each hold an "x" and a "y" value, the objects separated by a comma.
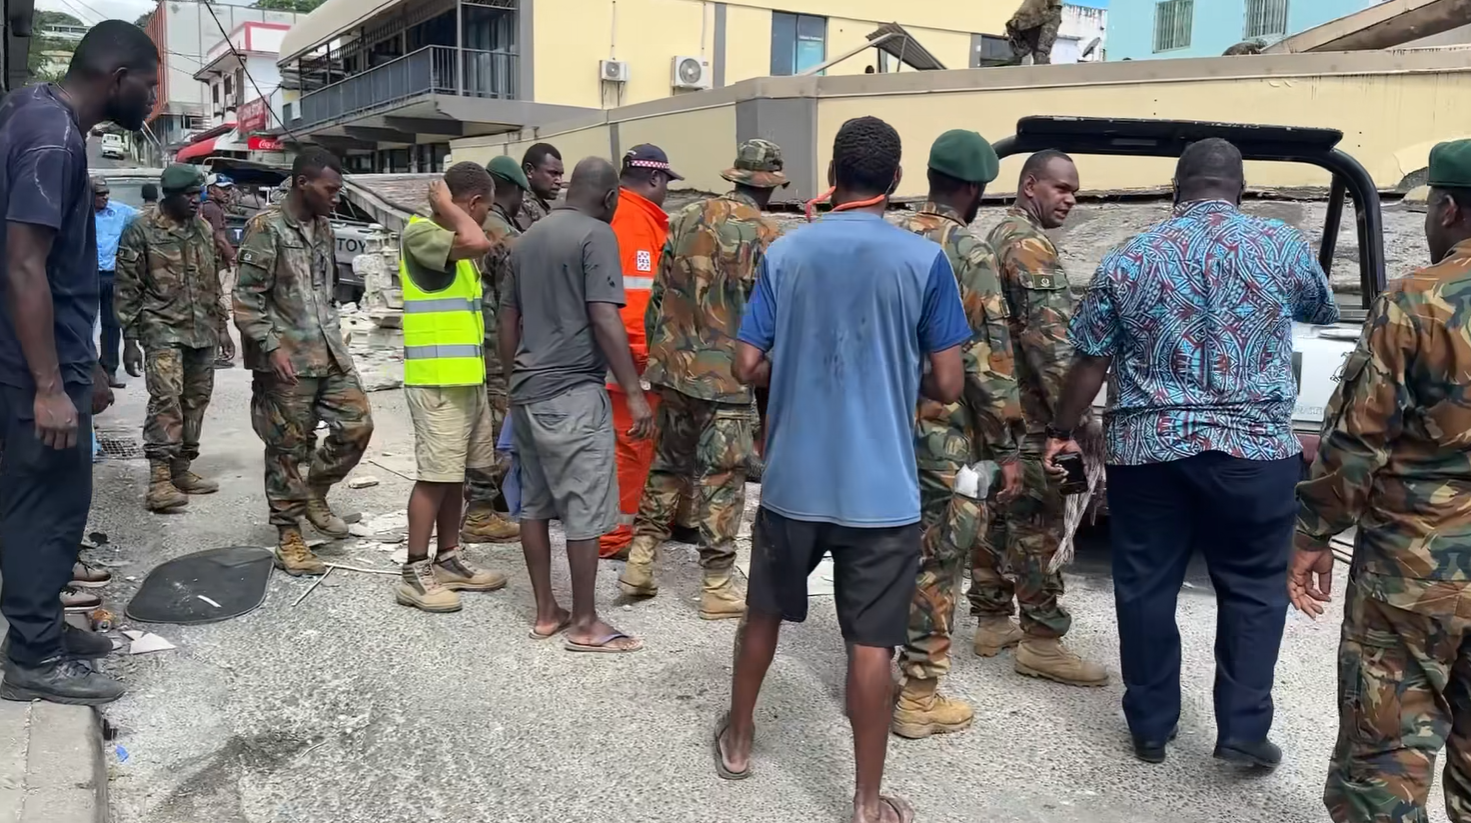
[{"x": 564, "y": 446}]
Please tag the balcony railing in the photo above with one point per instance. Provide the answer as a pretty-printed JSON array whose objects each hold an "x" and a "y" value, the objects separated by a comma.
[{"x": 430, "y": 70}]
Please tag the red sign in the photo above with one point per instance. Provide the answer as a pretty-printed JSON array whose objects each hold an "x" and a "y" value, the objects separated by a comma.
[
  {"x": 253, "y": 116},
  {"x": 263, "y": 144}
]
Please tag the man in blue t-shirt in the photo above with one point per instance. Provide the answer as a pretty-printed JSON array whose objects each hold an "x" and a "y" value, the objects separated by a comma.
[
  {"x": 50, "y": 380},
  {"x": 852, "y": 319}
]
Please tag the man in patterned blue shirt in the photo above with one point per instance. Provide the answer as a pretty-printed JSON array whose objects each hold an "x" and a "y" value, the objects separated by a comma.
[{"x": 1194, "y": 315}]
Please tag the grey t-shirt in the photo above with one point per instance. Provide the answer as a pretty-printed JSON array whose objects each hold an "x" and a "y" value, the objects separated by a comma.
[{"x": 561, "y": 264}]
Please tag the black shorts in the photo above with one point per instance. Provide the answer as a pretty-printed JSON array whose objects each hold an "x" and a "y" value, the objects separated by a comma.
[{"x": 874, "y": 573}]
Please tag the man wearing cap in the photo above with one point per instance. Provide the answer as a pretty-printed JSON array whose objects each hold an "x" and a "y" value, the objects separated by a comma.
[
  {"x": 641, "y": 226},
  {"x": 950, "y": 437},
  {"x": 218, "y": 190},
  {"x": 111, "y": 219},
  {"x": 1014, "y": 561},
  {"x": 483, "y": 524},
  {"x": 1393, "y": 462},
  {"x": 705, "y": 419},
  {"x": 168, "y": 300}
]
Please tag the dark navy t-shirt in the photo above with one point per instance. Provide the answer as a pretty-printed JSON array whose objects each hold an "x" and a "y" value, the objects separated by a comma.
[
  {"x": 848, "y": 309},
  {"x": 43, "y": 181}
]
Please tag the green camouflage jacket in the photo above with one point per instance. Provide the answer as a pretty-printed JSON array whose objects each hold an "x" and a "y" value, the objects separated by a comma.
[
  {"x": 283, "y": 294},
  {"x": 980, "y": 426},
  {"x": 706, "y": 274},
  {"x": 495, "y": 269},
  {"x": 532, "y": 209},
  {"x": 168, "y": 283},
  {"x": 1395, "y": 454},
  {"x": 1040, "y": 302}
]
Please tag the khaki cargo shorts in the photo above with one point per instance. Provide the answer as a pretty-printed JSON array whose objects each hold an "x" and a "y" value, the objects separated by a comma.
[{"x": 453, "y": 431}]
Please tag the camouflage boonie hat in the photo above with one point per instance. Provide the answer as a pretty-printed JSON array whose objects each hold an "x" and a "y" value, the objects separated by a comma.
[{"x": 758, "y": 164}]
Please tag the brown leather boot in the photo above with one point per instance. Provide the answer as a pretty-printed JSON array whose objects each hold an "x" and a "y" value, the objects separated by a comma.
[
  {"x": 163, "y": 495},
  {"x": 320, "y": 515},
  {"x": 187, "y": 481},
  {"x": 995, "y": 632},
  {"x": 637, "y": 579},
  {"x": 293, "y": 556},
  {"x": 720, "y": 599},
  {"x": 923, "y": 711},
  {"x": 1047, "y": 657},
  {"x": 483, "y": 524}
]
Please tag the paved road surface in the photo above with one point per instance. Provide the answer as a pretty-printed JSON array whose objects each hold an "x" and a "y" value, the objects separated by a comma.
[{"x": 351, "y": 708}]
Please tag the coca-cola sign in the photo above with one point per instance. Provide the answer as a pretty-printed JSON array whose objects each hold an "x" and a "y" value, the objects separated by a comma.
[
  {"x": 263, "y": 144},
  {"x": 253, "y": 116}
]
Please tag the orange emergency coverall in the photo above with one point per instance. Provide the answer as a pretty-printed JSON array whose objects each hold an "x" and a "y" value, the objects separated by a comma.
[{"x": 641, "y": 227}]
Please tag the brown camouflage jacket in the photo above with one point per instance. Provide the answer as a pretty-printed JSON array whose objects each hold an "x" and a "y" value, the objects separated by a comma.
[
  {"x": 495, "y": 269},
  {"x": 283, "y": 294},
  {"x": 1033, "y": 14},
  {"x": 168, "y": 283},
  {"x": 981, "y": 425},
  {"x": 1395, "y": 454},
  {"x": 532, "y": 209},
  {"x": 1040, "y": 302},
  {"x": 706, "y": 274}
]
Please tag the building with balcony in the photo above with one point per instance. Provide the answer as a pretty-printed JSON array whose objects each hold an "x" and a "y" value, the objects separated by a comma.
[
  {"x": 388, "y": 83},
  {"x": 241, "y": 77}
]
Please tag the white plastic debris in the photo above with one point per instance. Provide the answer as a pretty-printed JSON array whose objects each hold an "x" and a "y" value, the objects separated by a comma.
[
  {"x": 149, "y": 643},
  {"x": 367, "y": 482}
]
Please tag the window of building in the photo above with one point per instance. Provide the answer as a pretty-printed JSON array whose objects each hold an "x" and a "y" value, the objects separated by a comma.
[
  {"x": 989, "y": 50},
  {"x": 1173, "y": 20},
  {"x": 798, "y": 42},
  {"x": 1265, "y": 18}
]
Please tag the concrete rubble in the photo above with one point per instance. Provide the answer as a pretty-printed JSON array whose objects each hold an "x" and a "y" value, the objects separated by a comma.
[{"x": 373, "y": 329}]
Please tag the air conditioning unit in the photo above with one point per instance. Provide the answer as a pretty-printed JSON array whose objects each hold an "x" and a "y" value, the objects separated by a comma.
[
  {"x": 689, "y": 73},
  {"x": 613, "y": 71}
]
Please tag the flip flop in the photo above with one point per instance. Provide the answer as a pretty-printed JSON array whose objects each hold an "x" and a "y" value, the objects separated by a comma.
[
  {"x": 561, "y": 627},
  {"x": 901, "y": 807},
  {"x": 720, "y": 768},
  {"x": 601, "y": 647}
]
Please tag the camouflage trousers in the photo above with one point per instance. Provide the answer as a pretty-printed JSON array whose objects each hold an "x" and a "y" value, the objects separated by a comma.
[
  {"x": 1404, "y": 692},
  {"x": 705, "y": 444},
  {"x": 1036, "y": 41},
  {"x": 1013, "y": 558},
  {"x": 180, "y": 381},
  {"x": 952, "y": 525},
  {"x": 285, "y": 417},
  {"x": 484, "y": 485}
]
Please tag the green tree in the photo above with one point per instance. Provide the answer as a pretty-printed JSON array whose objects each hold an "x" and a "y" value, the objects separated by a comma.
[
  {"x": 288, "y": 5},
  {"x": 38, "y": 64}
]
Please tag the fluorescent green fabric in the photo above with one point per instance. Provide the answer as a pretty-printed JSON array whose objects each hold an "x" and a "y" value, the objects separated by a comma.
[{"x": 443, "y": 330}]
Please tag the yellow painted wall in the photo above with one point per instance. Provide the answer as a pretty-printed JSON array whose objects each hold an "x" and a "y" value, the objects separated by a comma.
[
  {"x": 571, "y": 36},
  {"x": 574, "y": 144},
  {"x": 700, "y": 143}
]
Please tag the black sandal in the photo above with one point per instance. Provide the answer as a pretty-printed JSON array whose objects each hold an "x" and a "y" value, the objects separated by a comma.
[{"x": 721, "y": 769}]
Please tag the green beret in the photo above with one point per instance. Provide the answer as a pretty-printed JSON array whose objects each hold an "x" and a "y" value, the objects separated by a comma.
[
  {"x": 964, "y": 155},
  {"x": 1450, "y": 165},
  {"x": 179, "y": 177},
  {"x": 509, "y": 170}
]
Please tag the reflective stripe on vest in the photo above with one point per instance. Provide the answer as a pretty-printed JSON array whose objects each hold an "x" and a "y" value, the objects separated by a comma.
[
  {"x": 640, "y": 283},
  {"x": 444, "y": 331}
]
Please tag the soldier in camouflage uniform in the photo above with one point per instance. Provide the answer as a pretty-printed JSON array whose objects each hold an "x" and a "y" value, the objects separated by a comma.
[
  {"x": 949, "y": 438},
  {"x": 1393, "y": 460},
  {"x": 706, "y": 418},
  {"x": 542, "y": 165},
  {"x": 168, "y": 299},
  {"x": 1033, "y": 30},
  {"x": 303, "y": 372},
  {"x": 1015, "y": 557},
  {"x": 483, "y": 524}
]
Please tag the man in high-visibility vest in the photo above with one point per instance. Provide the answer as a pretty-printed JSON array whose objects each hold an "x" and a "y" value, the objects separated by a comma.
[
  {"x": 641, "y": 226},
  {"x": 444, "y": 382}
]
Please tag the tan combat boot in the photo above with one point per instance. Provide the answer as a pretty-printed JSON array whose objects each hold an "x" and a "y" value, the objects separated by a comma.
[
  {"x": 923, "y": 711},
  {"x": 320, "y": 515},
  {"x": 187, "y": 481},
  {"x": 1048, "y": 657},
  {"x": 720, "y": 599},
  {"x": 422, "y": 589},
  {"x": 162, "y": 495},
  {"x": 995, "y": 632},
  {"x": 483, "y": 524},
  {"x": 293, "y": 556},
  {"x": 456, "y": 574},
  {"x": 637, "y": 579}
]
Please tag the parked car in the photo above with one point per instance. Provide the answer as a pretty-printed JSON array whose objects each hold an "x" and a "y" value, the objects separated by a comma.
[{"x": 113, "y": 147}]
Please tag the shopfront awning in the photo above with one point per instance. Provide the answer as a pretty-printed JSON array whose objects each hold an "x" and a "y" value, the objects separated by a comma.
[{"x": 196, "y": 151}]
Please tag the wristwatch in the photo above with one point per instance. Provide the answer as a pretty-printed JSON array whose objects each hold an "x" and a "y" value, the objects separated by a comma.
[{"x": 1054, "y": 433}]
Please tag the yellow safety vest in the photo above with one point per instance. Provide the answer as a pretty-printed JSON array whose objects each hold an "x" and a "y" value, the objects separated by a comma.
[{"x": 443, "y": 330}]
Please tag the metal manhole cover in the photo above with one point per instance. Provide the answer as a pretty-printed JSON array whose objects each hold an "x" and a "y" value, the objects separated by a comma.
[{"x": 119, "y": 445}]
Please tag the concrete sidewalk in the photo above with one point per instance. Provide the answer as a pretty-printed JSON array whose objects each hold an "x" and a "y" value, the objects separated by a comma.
[{"x": 51, "y": 768}]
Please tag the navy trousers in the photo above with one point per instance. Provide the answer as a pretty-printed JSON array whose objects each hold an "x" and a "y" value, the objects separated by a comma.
[{"x": 1240, "y": 515}]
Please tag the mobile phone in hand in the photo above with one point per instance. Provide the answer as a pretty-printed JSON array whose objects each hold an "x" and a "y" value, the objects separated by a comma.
[{"x": 1076, "y": 481}]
